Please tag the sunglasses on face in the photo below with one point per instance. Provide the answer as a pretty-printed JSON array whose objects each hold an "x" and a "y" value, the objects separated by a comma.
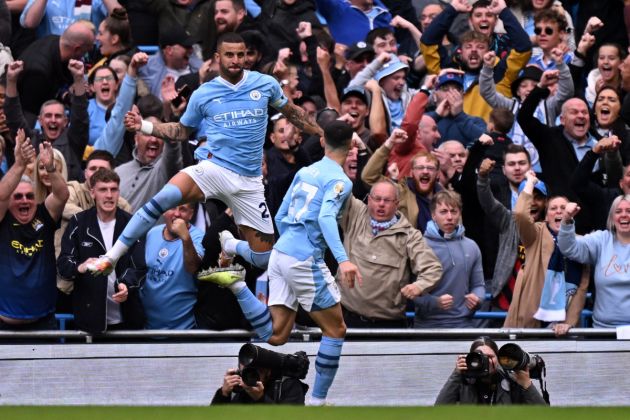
[
  {"x": 548, "y": 30},
  {"x": 21, "y": 196}
]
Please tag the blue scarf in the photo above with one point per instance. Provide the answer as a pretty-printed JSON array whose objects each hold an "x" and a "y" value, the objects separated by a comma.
[{"x": 561, "y": 282}]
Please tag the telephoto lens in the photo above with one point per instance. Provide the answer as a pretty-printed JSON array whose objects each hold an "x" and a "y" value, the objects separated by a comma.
[{"x": 512, "y": 357}]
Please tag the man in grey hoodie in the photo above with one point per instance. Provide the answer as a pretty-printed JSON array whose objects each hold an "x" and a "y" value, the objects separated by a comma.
[{"x": 454, "y": 299}]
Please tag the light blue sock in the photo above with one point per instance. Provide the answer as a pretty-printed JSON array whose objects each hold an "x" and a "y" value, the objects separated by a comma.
[
  {"x": 259, "y": 259},
  {"x": 326, "y": 365},
  {"x": 145, "y": 218},
  {"x": 256, "y": 312}
]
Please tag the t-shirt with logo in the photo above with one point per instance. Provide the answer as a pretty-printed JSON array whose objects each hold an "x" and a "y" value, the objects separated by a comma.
[
  {"x": 234, "y": 118},
  {"x": 169, "y": 293},
  {"x": 27, "y": 266}
]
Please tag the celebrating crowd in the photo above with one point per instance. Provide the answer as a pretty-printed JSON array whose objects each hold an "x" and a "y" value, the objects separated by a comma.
[{"x": 354, "y": 159}]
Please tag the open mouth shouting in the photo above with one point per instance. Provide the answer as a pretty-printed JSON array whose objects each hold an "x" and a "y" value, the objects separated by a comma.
[{"x": 607, "y": 72}]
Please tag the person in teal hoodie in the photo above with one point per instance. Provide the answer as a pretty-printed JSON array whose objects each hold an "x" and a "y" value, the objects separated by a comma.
[
  {"x": 608, "y": 252},
  {"x": 454, "y": 299}
]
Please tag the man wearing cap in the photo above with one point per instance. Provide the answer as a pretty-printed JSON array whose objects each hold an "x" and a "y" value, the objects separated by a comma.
[
  {"x": 357, "y": 56},
  {"x": 349, "y": 21},
  {"x": 452, "y": 121},
  {"x": 175, "y": 58},
  {"x": 474, "y": 45}
]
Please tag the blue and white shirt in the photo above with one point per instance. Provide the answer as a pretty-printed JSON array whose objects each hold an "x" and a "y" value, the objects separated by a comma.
[
  {"x": 169, "y": 293},
  {"x": 307, "y": 218},
  {"x": 235, "y": 119}
]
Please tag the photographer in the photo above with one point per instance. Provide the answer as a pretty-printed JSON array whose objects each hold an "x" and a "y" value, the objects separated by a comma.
[
  {"x": 489, "y": 385},
  {"x": 264, "y": 377}
]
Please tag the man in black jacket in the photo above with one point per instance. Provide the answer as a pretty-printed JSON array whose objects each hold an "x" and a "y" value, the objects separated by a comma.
[
  {"x": 69, "y": 139},
  {"x": 102, "y": 302},
  {"x": 46, "y": 65},
  {"x": 561, "y": 148}
]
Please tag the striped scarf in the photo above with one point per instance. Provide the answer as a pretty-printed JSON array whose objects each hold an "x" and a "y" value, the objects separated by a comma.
[{"x": 381, "y": 226}]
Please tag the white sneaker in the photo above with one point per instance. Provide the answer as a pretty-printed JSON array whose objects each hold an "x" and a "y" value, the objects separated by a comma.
[
  {"x": 103, "y": 266},
  {"x": 224, "y": 236}
]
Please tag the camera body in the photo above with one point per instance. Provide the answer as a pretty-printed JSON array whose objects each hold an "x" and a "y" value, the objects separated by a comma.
[
  {"x": 477, "y": 364},
  {"x": 249, "y": 375}
]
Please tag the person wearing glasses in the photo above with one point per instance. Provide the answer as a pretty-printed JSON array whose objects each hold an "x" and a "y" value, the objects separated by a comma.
[
  {"x": 550, "y": 31},
  {"x": 104, "y": 83},
  {"x": 415, "y": 191},
  {"x": 461, "y": 289},
  {"x": 393, "y": 258},
  {"x": 27, "y": 250}
]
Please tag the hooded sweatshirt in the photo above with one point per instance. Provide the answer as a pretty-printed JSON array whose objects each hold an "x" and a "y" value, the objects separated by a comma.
[{"x": 462, "y": 274}]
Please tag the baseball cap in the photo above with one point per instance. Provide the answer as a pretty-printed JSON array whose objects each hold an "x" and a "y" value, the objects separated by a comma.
[
  {"x": 176, "y": 35},
  {"x": 357, "y": 91},
  {"x": 391, "y": 67},
  {"x": 450, "y": 78},
  {"x": 540, "y": 186},
  {"x": 356, "y": 50},
  {"x": 530, "y": 72}
]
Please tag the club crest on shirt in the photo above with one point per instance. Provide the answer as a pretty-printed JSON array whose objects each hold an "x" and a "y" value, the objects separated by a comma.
[
  {"x": 338, "y": 188},
  {"x": 163, "y": 253},
  {"x": 255, "y": 95},
  {"x": 37, "y": 224},
  {"x": 87, "y": 244}
]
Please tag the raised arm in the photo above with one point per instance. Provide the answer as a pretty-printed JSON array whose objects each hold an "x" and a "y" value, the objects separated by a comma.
[
  {"x": 498, "y": 215},
  {"x": 174, "y": 131},
  {"x": 78, "y": 130},
  {"x": 330, "y": 90},
  {"x": 487, "y": 86},
  {"x": 192, "y": 260},
  {"x": 56, "y": 200},
  {"x": 586, "y": 249},
  {"x": 12, "y": 106},
  {"x": 33, "y": 13},
  {"x": 24, "y": 153},
  {"x": 111, "y": 139},
  {"x": 526, "y": 227},
  {"x": 299, "y": 118}
]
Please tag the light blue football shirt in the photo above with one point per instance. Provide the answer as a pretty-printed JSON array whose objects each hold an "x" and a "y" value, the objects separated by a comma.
[
  {"x": 235, "y": 119},
  {"x": 307, "y": 218},
  {"x": 169, "y": 293}
]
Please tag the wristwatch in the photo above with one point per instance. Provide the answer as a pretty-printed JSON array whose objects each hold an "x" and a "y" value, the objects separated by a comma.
[{"x": 49, "y": 170}]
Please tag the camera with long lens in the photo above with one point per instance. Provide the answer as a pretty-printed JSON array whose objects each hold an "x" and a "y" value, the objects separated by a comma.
[
  {"x": 512, "y": 357},
  {"x": 252, "y": 357},
  {"x": 477, "y": 365}
]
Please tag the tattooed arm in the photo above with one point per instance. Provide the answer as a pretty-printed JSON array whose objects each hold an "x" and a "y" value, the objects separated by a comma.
[
  {"x": 167, "y": 131},
  {"x": 299, "y": 118}
]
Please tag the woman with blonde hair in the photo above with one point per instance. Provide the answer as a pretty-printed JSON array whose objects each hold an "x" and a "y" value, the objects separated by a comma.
[
  {"x": 41, "y": 179},
  {"x": 608, "y": 251}
]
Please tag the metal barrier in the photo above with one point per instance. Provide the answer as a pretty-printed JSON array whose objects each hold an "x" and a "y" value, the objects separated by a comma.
[
  {"x": 409, "y": 368},
  {"x": 313, "y": 334}
]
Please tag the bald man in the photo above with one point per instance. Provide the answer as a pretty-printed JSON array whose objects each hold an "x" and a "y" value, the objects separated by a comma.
[
  {"x": 46, "y": 65},
  {"x": 561, "y": 148}
]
